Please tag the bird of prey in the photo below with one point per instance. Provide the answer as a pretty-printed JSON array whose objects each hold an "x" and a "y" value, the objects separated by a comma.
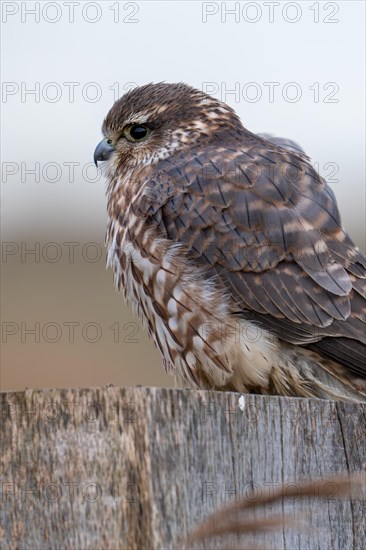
[{"x": 230, "y": 247}]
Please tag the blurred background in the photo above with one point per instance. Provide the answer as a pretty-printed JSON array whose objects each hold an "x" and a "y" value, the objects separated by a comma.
[{"x": 291, "y": 69}]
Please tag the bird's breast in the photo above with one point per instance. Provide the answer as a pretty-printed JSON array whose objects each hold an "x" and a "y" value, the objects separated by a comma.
[{"x": 134, "y": 255}]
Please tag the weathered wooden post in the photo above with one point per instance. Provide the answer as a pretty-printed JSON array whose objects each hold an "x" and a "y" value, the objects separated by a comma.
[{"x": 136, "y": 468}]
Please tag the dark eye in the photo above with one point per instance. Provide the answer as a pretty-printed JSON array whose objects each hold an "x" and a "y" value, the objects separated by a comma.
[{"x": 136, "y": 132}]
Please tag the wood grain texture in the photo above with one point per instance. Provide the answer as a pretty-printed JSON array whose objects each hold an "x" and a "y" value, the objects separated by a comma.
[{"x": 136, "y": 468}]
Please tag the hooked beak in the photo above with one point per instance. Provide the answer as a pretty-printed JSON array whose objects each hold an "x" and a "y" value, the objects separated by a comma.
[{"x": 103, "y": 151}]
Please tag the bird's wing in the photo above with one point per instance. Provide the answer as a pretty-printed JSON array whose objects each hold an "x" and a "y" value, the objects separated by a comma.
[
  {"x": 260, "y": 218},
  {"x": 286, "y": 143}
]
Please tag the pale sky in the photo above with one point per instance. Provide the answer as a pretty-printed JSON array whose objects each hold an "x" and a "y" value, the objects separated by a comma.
[{"x": 267, "y": 53}]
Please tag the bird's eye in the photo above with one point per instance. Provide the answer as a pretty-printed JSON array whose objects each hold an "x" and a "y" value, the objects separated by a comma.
[{"x": 136, "y": 132}]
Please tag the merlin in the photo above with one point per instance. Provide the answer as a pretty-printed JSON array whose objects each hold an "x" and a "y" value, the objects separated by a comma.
[{"x": 230, "y": 247}]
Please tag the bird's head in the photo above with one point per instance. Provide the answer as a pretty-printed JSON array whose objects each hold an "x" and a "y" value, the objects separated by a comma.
[{"x": 151, "y": 122}]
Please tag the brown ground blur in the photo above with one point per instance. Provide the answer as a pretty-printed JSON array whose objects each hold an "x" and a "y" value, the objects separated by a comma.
[{"x": 55, "y": 295}]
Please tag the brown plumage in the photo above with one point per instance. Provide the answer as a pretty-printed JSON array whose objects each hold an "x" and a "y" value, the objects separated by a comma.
[{"x": 231, "y": 249}]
